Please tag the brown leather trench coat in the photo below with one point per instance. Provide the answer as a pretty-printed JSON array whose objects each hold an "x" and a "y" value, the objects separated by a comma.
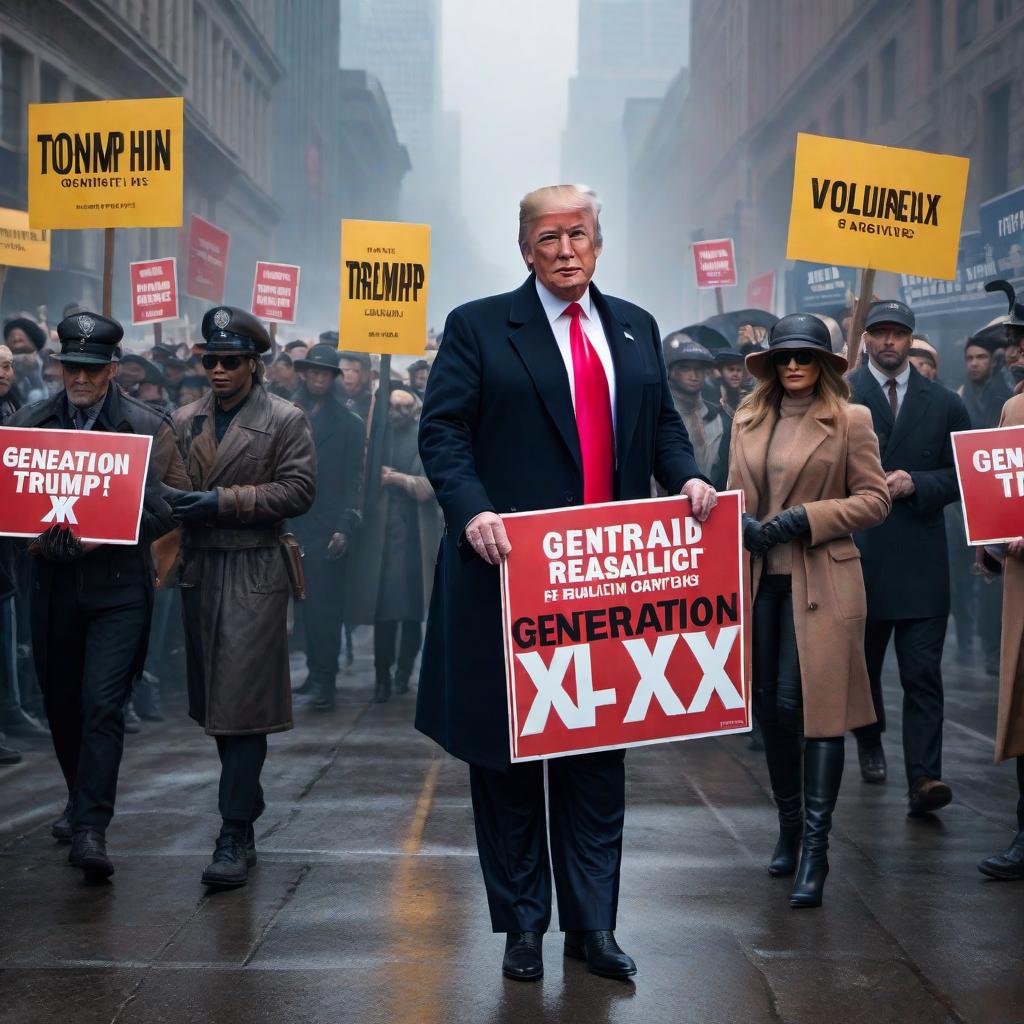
[
  {"x": 834, "y": 471},
  {"x": 234, "y": 578},
  {"x": 1010, "y": 723}
]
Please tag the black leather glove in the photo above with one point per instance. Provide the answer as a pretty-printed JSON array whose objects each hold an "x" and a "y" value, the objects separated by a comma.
[
  {"x": 753, "y": 535},
  {"x": 194, "y": 508},
  {"x": 59, "y": 544},
  {"x": 787, "y": 525}
]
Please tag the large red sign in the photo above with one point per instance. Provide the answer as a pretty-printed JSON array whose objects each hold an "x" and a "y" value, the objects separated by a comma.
[
  {"x": 91, "y": 481},
  {"x": 714, "y": 263},
  {"x": 623, "y": 625},
  {"x": 154, "y": 290},
  {"x": 275, "y": 292},
  {"x": 761, "y": 291},
  {"x": 990, "y": 468},
  {"x": 206, "y": 270}
]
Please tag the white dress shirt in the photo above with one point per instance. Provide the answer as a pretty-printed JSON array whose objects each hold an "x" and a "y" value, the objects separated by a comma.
[
  {"x": 883, "y": 382},
  {"x": 555, "y": 307}
]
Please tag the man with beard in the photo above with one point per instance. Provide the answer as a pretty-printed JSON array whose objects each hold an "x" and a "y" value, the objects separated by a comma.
[
  {"x": 249, "y": 457},
  {"x": 736, "y": 382},
  {"x": 327, "y": 529},
  {"x": 92, "y": 603}
]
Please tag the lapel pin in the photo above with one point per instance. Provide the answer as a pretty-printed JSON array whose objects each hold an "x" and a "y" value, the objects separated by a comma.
[{"x": 628, "y": 335}]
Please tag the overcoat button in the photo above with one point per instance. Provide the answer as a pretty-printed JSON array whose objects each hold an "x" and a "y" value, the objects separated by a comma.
[{"x": 812, "y": 606}]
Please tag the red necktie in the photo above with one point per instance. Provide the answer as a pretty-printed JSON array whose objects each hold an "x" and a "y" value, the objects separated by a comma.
[{"x": 593, "y": 413}]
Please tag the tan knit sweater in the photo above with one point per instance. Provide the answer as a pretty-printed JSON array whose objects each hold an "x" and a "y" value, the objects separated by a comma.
[{"x": 779, "y": 559}]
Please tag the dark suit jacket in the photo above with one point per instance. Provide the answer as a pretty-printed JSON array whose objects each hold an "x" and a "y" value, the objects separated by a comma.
[
  {"x": 905, "y": 560},
  {"x": 498, "y": 433}
]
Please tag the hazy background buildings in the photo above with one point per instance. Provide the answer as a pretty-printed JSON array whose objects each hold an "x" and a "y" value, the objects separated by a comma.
[{"x": 302, "y": 112}]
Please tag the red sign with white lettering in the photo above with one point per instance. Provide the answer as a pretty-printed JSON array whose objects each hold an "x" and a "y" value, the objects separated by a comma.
[
  {"x": 275, "y": 292},
  {"x": 154, "y": 286},
  {"x": 92, "y": 481},
  {"x": 990, "y": 469},
  {"x": 761, "y": 291},
  {"x": 206, "y": 269},
  {"x": 714, "y": 263},
  {"x": 624, "y": 625}
]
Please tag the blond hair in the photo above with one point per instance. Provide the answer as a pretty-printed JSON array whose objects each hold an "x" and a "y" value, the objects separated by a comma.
[
  {"x": 831, "y": 386},
  {"x": 555, "y": 199}
]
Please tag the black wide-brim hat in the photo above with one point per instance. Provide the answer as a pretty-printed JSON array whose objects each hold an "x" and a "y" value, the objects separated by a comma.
[
  {"x": 320, "y": 357},
  {"x": 35, "y": 333},
  {"x": 795, "y": 332}
]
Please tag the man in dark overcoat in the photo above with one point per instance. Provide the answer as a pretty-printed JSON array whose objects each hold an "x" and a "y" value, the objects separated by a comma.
[
  {"x": 906, "y": 560},
  {"x": 251, "y": 465},
  {"x": 552, "y": 395},
  {"x": 91, "y": 604},
  {"x": 327, "y": 529}
]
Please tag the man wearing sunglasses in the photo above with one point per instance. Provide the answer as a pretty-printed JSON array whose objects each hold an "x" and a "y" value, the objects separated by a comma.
[
  {"x": 249, "y": 457},
  {"x": 92, "y": 603},
  {"x": 905, "y": 559}
]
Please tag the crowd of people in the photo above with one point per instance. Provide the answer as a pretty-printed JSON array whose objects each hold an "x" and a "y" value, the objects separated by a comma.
[{"x": 852, "y": 527}]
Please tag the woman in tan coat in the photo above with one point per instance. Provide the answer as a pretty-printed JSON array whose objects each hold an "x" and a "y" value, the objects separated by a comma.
[
  {"x": 1010, "y": 724},
  {"x": 808, "y": 465}
]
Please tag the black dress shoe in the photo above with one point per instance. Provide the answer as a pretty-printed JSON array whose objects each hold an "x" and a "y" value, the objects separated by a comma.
[
  {"x": 927, "y": 795},
  {"x": 89, "y": 852},
  {"x": 401, "y": 684},
  {"x": 601, "y": 953},
  {"x": 382, "y": 690},
  {"x": 523, "y": 961},
  {"x": 61, "y": 828},
  {"x": 1009, "y": 864},
  {"x": 873, "y": 768},
  {"x": 229, "y": 868}
]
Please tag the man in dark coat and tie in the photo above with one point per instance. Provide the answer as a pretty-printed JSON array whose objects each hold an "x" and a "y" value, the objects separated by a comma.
[
  {"x": 549, "y": 396},
  {"x": 905, "y": 559}
]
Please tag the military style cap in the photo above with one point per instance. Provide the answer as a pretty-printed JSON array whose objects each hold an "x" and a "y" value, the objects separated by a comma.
[
  {"x": 88, "y": 338},
  {"x": 357, "y": 357},
  {"x": 680, "y": 347},
  {"x": 35, "y": 333},
  {"x": 229, "y": 329},
  {"x": 329, "y": 338},
  {"x": 890, "y": 312},
  {"x": 320, "y": 357},
  {"x": 794, "y": 332},
  {"x": 151, "y": 371}
]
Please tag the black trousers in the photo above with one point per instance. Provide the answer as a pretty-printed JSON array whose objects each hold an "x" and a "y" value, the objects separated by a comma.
[
  {"x": 778, "y": 692},
  {"x": 587, "y": 802},
  {"x": 385, "y": 638},
  {"x": 92, "y": 652},
  {"x": 322, "y": 612},
  {"x": 918, "y": 645},
  {"x": 240, "y": 797}
]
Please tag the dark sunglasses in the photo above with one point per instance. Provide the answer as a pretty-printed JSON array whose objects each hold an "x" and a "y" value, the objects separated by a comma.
[
  {"x": 228, "y": 362},
  {"x": 802, "y": 357}
]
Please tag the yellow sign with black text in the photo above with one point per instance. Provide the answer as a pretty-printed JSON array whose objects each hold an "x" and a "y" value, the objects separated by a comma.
[
  {"x": 861, "y": 205},
  {"x": 385, "y": 267},
  {"x": 106, "y": 164},
  {"x": 20, "y": 245}
]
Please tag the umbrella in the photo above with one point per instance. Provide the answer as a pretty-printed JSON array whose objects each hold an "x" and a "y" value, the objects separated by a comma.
[
  {"x": 710, "y": 337},
  {"x": 729, "y": 324}
]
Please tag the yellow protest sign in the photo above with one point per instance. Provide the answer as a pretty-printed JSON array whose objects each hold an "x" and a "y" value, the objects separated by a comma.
[
  {"x": 384, "y": 271},
  {"x": 20, "y": 245},
  {"x": 861, "y": 205},
  {"x": 106, "y": 164}
]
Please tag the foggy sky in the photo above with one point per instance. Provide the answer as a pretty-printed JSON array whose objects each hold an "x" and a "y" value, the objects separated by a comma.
[{"x": 506, "y": 68}]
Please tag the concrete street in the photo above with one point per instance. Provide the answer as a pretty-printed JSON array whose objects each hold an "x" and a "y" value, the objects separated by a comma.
[{"x": 367, "y": 904}]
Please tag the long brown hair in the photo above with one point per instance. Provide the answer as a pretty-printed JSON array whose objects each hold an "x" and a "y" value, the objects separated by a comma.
[{"x": 767, "y": 396}]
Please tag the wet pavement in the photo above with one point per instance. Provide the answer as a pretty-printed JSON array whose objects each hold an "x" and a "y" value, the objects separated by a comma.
[{"x": 367, "y": 903}]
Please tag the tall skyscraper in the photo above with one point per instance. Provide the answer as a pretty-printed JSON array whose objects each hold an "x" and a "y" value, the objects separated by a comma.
[{"x": 628, "y": 49}]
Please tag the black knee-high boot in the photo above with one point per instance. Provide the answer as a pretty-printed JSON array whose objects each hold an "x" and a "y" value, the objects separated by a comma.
[
  {"x": 782, "y": 752},
  {"x": 1009, "y": 864},
  {"x": 823, "y": 772}
]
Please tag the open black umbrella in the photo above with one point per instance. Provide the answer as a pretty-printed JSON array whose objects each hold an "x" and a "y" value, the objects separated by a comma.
[
  {"x": 707, "y": 336},
  {"x": 730, "y": 323}
]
